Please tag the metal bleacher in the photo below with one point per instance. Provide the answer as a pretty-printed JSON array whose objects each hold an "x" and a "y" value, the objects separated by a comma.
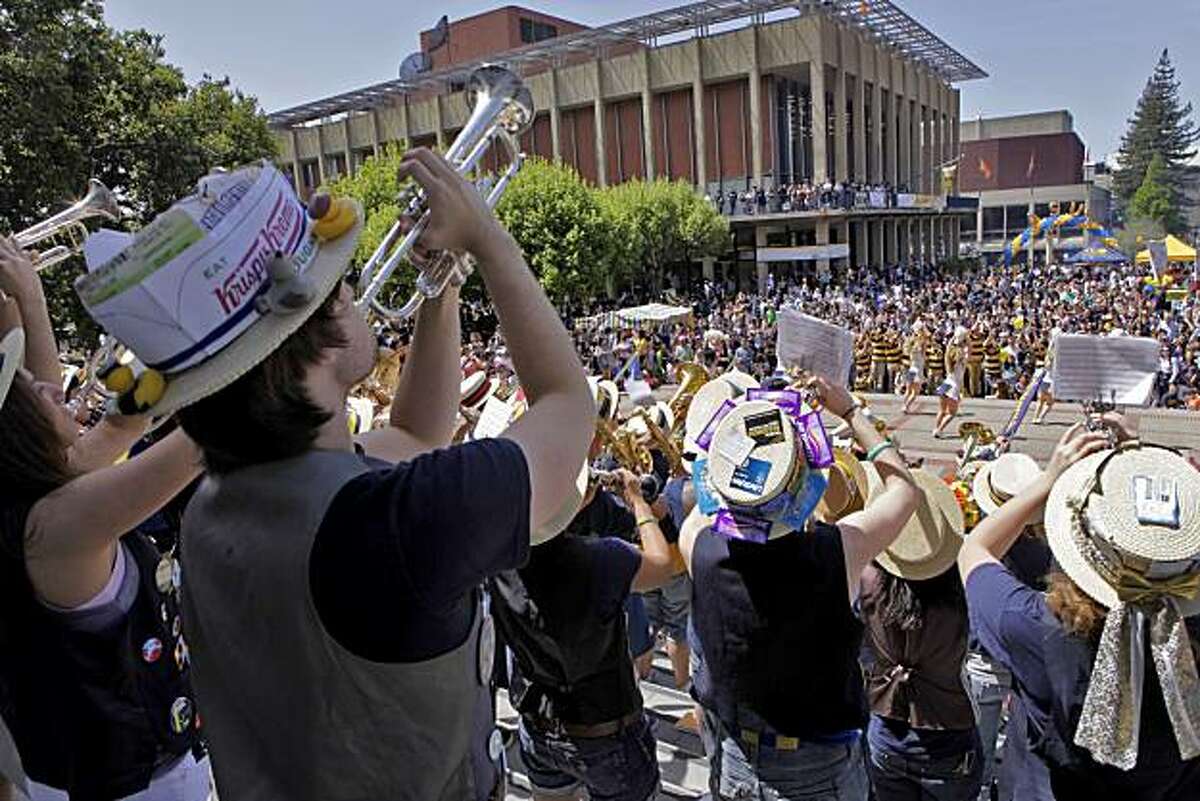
[{"x": 680, "y": 753}]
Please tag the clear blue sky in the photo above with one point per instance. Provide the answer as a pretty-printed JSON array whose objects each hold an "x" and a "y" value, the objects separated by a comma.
[{"x": 1089, "y": 56}]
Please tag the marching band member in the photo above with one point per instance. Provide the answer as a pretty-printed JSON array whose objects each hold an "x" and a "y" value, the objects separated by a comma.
[
  {"x": 95, "y": 671},
  {"x": 950, "y": 390},
  {"x": 337, "y": 631},
  {"x": 777, "y": 721},
  {"x": 562, "y": 615},
  {"x": 1104, "y": 663}
]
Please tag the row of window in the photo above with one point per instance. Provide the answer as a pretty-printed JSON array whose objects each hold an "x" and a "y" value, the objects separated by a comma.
[{"x": 533, "y": 31}]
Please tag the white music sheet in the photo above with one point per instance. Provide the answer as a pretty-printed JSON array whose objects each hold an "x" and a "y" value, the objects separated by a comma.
[
  {"x": 1109, "y": 369},
  {"x": 814, "y": 345},
  {"x": 494, "y": 419}
]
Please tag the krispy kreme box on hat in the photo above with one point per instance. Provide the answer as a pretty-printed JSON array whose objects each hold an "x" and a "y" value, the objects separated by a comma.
[{"x": 189, "y": 283}]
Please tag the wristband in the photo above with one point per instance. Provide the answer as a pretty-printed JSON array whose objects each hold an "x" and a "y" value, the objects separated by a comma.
[
  {"x": 874, "y": 453},
  {"x": 646, "y": 520}
]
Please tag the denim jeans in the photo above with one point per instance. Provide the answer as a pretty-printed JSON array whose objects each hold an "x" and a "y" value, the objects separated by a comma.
[
  {"x": 740, "y": 771},
  {"x": 988, "y": 684},
  {"x": 619, "y": 767},
  {"x": 920, "y": 778}
]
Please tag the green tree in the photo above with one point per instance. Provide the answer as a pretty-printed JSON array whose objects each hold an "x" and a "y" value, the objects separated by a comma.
[
  {"x": 559, "y": 223},
  {"x": 1162, "y": 126},
  {"x": 660, "y": 223},
  {"x": 1153, "y": 200},
  {"x": 80, "y": 100}
]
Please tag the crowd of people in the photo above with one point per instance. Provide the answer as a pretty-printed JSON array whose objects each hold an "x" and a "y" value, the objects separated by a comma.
[
  {"x": 226, "y": 583},
  {"x": 806, "y": 196}
]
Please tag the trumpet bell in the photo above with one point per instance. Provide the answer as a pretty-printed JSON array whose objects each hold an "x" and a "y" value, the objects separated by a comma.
[{"x": 60, "y": 237}]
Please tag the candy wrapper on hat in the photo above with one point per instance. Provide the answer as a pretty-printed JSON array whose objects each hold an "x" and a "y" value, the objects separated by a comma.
[{"x": 216, "y": 283}]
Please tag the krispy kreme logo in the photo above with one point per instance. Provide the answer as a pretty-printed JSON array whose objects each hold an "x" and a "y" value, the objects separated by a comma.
[{"x": 281, "y": 233}]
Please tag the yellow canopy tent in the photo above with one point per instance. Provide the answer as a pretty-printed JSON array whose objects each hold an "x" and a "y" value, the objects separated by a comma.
[{"x": 1177, "y": 250}]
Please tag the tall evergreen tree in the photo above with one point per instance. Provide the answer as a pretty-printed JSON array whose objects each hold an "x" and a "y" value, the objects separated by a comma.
[{"x": 1161, "y": 125}]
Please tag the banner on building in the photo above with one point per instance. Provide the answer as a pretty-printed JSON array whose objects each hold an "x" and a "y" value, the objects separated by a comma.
[{"x": 804, "y": 253}]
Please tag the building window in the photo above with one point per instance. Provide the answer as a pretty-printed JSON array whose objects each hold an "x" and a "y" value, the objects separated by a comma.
[{"x": 533, "y": 31}]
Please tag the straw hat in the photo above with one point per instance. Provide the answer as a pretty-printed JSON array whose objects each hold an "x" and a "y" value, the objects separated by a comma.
[
  {"x": 705, "y": 404},
  {"x": 1006, "y": 477},
  {"x": 847, "y": 489},
  {"x": 660, "y": 413},
  {"x": 1111, "y": 539},
  {"x": 929, "y": 542},
  {"x": 247, "y": 271},
  {"x": 607, "y": 397}
]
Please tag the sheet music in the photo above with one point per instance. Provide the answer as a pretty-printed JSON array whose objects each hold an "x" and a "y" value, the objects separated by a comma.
[
  {"x": 1110, "y": 369},
  {"x": 494, "y": 419},
  {"x": 814, "y": 345}
]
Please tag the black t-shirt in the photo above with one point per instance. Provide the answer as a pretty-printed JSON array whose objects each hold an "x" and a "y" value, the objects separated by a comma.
[{"x": 401, "y": 548}]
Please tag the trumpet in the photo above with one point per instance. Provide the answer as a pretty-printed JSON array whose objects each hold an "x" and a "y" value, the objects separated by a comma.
[
  {"x": 65, "y": 231},
  {"x": 502, "y": 109}
]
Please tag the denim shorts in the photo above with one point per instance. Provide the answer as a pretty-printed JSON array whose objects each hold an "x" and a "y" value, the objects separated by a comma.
[
  {"x": 619, "y": 767},
  {"x": 740, "y": 771},
  {"x": 668, "y": 607}
]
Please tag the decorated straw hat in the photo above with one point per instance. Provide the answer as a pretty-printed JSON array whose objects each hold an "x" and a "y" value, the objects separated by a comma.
[
  {"x": 12, "y": 346},
  {"x": 1109, "y": 547},
  {"x": 660, "y": 413},
  {"x": 928, "y": 544},
  {"x": 706, "y": 403},
  {"x": 607, "y": 397},
  {"x": 475, "y": 389},
  {"x": 1124, "y": 525},
  {"x": 1002, "y": 479},
  {"x": 215, "y": 284},
  {"x": 847, "y": 488}
]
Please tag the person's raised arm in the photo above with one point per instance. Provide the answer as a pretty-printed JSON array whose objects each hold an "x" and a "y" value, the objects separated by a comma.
[
  {"x": 867, "y": 533},
  {"x": 102, "y": 444},
  {"x": 71, "y": 533},
  {"x": 19, "y": 279},
  {"x": 425, "y": 405},
  {"x": 555, "y": 432},
  {"x": 996, "y": 533},
  {"x": 656, "y": 568}
]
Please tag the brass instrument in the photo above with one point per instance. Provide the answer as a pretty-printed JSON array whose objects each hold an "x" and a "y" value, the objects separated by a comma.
[
  {"x": 692, "y": 376},
  {"x": 975, "y": 435},
  {"x": 65, "y": 231},
  {"x": 624, "y": 446},
  {"x": 662, "y": 440},
  {"x": 502, "y": 109}
]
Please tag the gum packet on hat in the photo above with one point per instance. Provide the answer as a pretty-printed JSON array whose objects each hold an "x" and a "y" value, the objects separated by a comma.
[
  {"x": 742, "y": 526},
  {"x": 705, "y": 437},
  {"x": 818, "y": 449},
  {"x": 787, "y": 399}
]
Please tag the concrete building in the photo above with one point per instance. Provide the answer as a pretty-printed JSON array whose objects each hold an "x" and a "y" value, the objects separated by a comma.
[
  {"x": 1021, "y": 165},
  {"x": 719, "y": 94}
]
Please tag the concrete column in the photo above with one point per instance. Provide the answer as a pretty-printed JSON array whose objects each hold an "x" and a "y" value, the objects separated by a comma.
[
  {"x": 891, "y": 241},
  {"x": 647, "y": 117},
  {"x": 707, "y": 268},
  {"x": 860, "y": 121},
  {"x": 756, "y": 152},
  {"x": 555, "y": 117},
  {"x": 762, "y": 268},
  {"x": 844, "y": 237},
  {"x": 922, "y": 134},
  {"x": 877, "y": 169},
  {"x": 698, "y": 127},
  {"x": 956, "y": 237},
  {"x": 320, "y": 155},
  {"x": 375, "y": 143},
  {"x": 862, "y": 247},
  {"x": 904, "y": 156},
  {"x": 841, "y": 139},
  {"x": 296, "y": 173},
  {"x": 892, "y": 166},
  {"x": 816, "y": 78},
  {"x": 822, "y": 239},
  {"x": 598, "y": 117},
  {"x": 438, "y": 122},
  {"x": 349, "y": 150}
]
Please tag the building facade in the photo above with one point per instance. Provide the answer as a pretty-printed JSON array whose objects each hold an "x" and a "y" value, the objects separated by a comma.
[
  {"x": 728, "y": 110},
  {"x": 1024, "y": 165}
]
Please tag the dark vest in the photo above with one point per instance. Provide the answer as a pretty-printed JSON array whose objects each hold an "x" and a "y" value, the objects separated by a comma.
[
  {"x": 89, "y": 713},
  {"x": 916, "y": 676},
  {"x": 572, "y": 671},
  {"x": 290, "y": 713},
  {"x": 778, "y": 635}
]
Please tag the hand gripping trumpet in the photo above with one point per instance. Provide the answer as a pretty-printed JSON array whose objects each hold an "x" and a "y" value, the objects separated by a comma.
[
  {"x": 502, "y": 107},
  {"x": 65, "y": 231}
]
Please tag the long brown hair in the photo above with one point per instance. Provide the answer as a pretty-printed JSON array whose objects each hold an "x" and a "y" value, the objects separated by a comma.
[
  {"x": 33, "y": 456},
  {"x": 1075, "y": 609}
]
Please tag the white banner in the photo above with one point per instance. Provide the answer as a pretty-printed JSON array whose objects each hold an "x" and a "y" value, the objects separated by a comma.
[{"x": 804, "y": 253}]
